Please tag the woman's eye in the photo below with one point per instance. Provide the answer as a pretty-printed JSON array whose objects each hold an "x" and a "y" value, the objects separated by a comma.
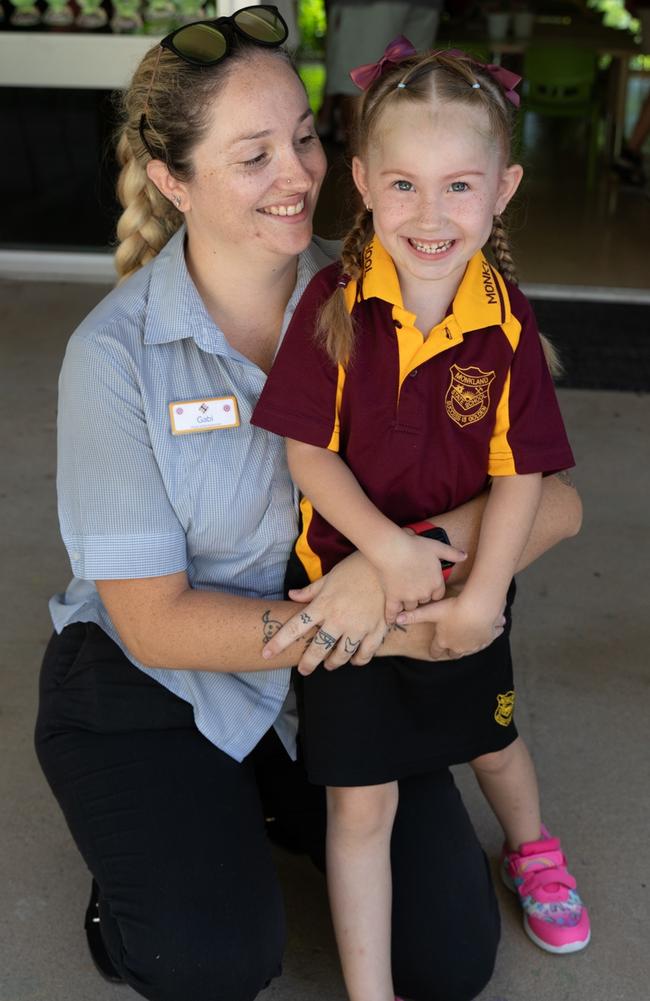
[
  {"x": 256, "y": 160},
  {"x": 403, "y": 185},
  {"x": 459, "y": 186},
  {"x": 307, "y": 140}
]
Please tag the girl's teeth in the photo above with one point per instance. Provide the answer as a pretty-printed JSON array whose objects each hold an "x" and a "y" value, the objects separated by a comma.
[
  {"x": 432, "y": 248},
  {"x": 285, "y": 209}
]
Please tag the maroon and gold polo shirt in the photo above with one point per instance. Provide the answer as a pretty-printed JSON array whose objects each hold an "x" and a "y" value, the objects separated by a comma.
[{"x": 421, "y": 423}]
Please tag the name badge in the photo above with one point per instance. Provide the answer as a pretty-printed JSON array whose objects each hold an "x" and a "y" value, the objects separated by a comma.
[{"x": 189, "y": 416}]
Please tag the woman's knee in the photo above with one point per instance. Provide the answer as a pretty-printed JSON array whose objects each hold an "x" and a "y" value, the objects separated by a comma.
[
  {"x": 202, "y": 967},
  {"x": 441, "y": 976}
]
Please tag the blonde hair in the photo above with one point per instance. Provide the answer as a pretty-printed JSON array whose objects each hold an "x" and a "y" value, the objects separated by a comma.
[
  {"x": 175, "y": 99},
  {"x": 419, "y": 79}
]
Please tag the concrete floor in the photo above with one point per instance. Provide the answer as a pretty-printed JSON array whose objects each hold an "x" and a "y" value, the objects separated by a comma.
[{"x": 581, "y": 647}]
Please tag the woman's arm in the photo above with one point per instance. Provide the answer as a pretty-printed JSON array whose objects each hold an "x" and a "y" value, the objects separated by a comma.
[{"x": 559, "y": 517}]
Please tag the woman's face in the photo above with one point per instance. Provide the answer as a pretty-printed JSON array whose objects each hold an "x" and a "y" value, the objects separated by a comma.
[{"x": 259, "y": 168}]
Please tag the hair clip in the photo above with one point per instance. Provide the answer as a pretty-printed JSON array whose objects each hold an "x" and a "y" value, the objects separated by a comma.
[
  {"x": 401, "y": 86},
  {"x": 343, "y": 281},
  {"x": 476, "y": 86}
]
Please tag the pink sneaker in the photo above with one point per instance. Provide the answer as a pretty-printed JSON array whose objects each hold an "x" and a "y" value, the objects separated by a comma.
[{"x": 554, "y": 916}]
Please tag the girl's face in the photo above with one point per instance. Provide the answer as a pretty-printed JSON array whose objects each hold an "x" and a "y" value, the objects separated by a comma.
[
  {"x": 258, "y": 169},
  {"x": 434, "y": 182}
]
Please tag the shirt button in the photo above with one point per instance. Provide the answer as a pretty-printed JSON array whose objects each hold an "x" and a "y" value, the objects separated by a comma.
[
  {"x": 413, "y": 373},
  {"x": 75, "y": 556}
]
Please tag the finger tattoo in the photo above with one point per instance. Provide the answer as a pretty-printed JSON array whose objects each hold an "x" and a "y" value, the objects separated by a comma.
[
  {"x": 305, "y": 618},
  {"x": 351, "y": 646},
  {"x": 324, "y": 639}
]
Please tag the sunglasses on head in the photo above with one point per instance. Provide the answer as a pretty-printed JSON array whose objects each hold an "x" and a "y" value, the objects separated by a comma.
[{"x": 204, "y": 43}]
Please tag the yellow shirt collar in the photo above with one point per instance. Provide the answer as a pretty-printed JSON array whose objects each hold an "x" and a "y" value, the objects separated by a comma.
[{"x": 481, "y": 300}]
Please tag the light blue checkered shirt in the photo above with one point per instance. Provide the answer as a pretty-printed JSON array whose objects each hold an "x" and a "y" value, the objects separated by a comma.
[{"x": 136, "y": 501}]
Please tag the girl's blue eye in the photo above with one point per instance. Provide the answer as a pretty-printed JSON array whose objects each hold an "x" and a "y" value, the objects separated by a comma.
[
  {"x": 403, "y": 185},
  {"x": 459, "y": 186}
]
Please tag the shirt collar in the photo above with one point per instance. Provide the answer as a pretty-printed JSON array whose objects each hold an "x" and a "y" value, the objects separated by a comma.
[
  {"x": 481, "y": 300},
  {"x": 176, "y": 311}
]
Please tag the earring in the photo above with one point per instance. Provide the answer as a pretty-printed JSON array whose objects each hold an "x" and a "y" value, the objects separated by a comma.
[
  {"x": 177, "y": 201},
  {"x": 368, "y": 208}
]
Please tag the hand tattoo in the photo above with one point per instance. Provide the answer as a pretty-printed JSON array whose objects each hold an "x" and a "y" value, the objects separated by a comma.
[
  {"x": 565, "y": 478},
  {"x": 391, "y": 629},
  {"x": 305, "y": 618},
  {"x": 351, "y": 646},
  {"x": 271, "y": 626},
  {"x": 324, "y": 639}
]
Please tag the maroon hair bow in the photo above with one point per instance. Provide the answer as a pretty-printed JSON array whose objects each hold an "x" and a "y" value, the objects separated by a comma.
[
  {"x": 506, "y": 79},
  {"x": 400, "y": 48}
]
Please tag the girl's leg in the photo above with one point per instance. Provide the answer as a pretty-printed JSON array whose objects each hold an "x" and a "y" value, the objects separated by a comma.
[
  {"x": 445, "y": 916},
  {"x": 508, "y": 781},
  {"x": 359, "y": 826},
  {"x": 170, "y": 827}
]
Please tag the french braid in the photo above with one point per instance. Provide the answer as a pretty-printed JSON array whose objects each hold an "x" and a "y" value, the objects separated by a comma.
[
  {"x": 334, "y": 326},
  {"x": 148, "y": 219}
]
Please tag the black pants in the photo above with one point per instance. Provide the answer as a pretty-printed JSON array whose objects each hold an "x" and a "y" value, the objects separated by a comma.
[{"x": 173, "y": 831}]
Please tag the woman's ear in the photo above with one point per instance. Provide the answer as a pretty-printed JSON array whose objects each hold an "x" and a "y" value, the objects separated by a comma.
[
  {"x": 172, "y": 189},
  {"x": 360, "y": 178},
  {"x": 510, "y": 181}
]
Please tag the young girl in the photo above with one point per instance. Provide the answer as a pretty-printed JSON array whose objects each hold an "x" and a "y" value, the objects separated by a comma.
[{"x": 410, "y": 374}]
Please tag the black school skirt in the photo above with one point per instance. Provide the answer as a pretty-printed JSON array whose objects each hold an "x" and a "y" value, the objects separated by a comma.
[{"x": 397, "y": 716}]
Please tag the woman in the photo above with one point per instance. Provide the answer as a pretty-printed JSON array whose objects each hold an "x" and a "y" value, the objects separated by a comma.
[{"x": 162, "y": 730}]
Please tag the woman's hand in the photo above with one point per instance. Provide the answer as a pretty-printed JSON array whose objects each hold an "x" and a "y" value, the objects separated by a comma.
[{"x": 346, "y": 608}]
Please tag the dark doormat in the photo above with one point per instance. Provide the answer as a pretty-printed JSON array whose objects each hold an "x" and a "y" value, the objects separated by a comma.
[{"x": 603, "y": 345}]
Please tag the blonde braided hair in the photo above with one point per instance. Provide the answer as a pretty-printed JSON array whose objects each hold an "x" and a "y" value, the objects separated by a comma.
[
  {"x": 148, "y": 219},
  {"x": 501, "y": 250},
  {"x": 335, "y": 328}
]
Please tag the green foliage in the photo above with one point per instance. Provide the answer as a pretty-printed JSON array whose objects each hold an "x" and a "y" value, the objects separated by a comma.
[
  {"x": 313, "y": 77},
  {"x": 312, "y": 26},
  {"x": 614, "y": 14}
]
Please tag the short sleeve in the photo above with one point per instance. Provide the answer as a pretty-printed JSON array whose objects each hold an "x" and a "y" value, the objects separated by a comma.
[
  {"x": 529, "y": 434},
  {"x": 301, "y": 395},
  {"x": 116, "y": 518}
]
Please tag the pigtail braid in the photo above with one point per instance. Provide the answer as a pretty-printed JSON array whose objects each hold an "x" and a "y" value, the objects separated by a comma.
[
  {"x": 334, "y": 327},
  {"x": 501, "y": 250},
  {"x": 148, "y": 219},
  {"x": 503, "y": 256}
]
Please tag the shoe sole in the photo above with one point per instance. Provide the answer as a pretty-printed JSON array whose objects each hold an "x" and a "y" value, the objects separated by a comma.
[{"x": 557, "y": 950}]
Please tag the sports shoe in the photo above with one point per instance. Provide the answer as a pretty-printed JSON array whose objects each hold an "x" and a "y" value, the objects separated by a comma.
[{"x": 554, "y": 916}]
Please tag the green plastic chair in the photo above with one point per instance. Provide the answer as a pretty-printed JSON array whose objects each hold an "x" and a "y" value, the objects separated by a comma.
[{"x": 560, "y": 82}]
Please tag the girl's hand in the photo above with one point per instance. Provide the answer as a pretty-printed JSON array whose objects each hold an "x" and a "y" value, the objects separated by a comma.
[
  {"x": 461, "y": 628},
  {"x": 412, "y": 574},
  {"x": 344, "y": 612}
]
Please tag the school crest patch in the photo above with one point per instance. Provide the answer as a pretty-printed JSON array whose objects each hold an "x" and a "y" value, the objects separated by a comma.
[
  {"x": 505, "y": 708},
  {"x": 468, "y": 396}
]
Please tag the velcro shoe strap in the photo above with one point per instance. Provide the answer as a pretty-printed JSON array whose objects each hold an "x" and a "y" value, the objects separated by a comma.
[{"x": 543, "y": 878}]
